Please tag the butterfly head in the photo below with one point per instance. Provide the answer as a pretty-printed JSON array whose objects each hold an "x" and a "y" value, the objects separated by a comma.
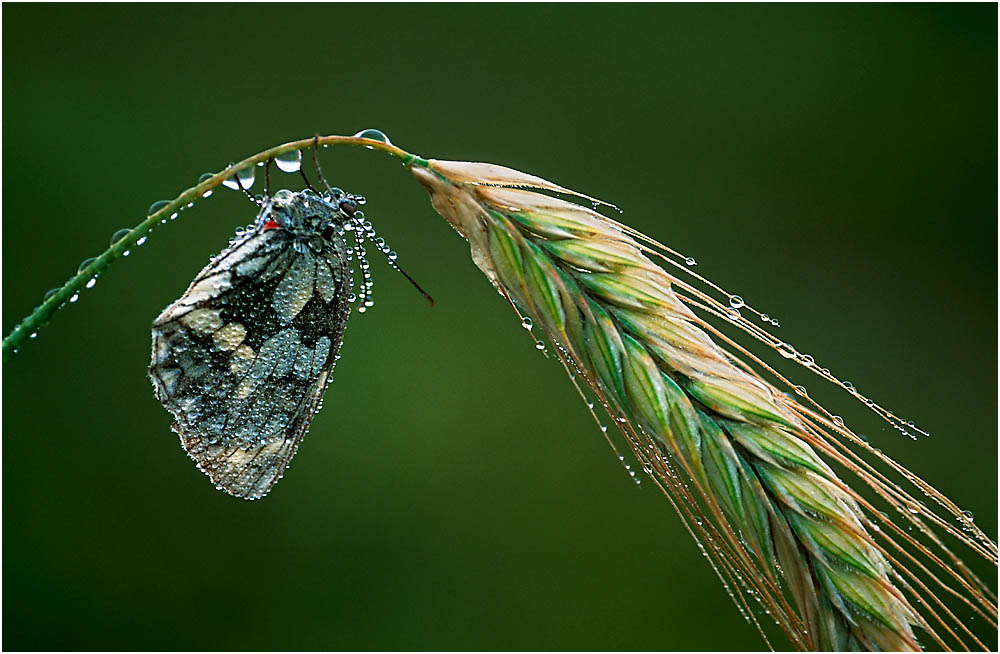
[{"x": 306, "y": 213}]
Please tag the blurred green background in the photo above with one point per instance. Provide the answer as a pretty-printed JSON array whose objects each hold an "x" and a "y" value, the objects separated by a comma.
[{"x": 836, "y": 165}]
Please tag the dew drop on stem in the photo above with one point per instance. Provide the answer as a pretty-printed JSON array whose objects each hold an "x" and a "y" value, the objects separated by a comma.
[
  {"x": 243, "y": 179},
  {"x": 119, "y": 235},
  {"x": 373, "y": 134},
  {"x": 289, "y": 162},
  {"x": 156, "y": 206},
  {"x": 205, "y": 177}
]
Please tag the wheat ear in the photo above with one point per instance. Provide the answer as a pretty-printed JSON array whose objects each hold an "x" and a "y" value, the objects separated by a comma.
[{"x": 737, "y": 458}]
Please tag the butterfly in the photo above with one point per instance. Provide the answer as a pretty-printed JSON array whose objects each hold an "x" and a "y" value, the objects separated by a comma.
[{"x": 242, "y": 358}]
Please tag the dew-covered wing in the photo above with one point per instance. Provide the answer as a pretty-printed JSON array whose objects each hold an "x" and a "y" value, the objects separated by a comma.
[{"x": 242, "y": 358}]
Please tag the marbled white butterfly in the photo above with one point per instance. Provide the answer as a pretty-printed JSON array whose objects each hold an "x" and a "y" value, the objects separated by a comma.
[{"x": 242, "y": 358}]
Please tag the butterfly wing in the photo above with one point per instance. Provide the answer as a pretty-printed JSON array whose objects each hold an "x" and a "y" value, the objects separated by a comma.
[{"x": 242, "y": 358}]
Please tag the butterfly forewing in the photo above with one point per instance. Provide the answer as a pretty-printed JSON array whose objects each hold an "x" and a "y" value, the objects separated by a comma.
[{"x": 242, "y": 358}]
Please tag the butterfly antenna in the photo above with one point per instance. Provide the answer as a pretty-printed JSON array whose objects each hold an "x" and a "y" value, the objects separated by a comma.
[
  {"x": 267, "y": 178},
  {"x": 412, "y": 281}
]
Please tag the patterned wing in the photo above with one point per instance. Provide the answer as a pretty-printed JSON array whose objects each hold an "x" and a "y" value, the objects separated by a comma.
[{"x": 242, "y": 358}]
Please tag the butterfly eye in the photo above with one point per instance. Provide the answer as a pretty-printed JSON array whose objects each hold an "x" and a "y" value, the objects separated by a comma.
[{"x": 348, "y": 206}]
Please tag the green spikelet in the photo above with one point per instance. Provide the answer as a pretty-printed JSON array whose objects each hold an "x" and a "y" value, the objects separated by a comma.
[{"x": 726, "y": 446}]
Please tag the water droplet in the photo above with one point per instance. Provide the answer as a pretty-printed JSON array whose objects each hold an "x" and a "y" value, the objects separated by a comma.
[
  {"x": 33, "y": 335},
  {"x": 774, "y": 321},
  {"x": 765, "y": 317},
  {"x": 733, "y": 314},
  {"x": 289, "y": 162},
  {"x": 786, "y": 350},
  {"x": 968, "y": 515},
  {"x": 801, "y": 390},
  {"x": 85, "y": 263},
  {"x": 173, "y": 216},
  {"x": 526, "y": 322},
  {"x": 373, "y": 134},
  {"x": 126, "y": 253},
  {"x": 156, "y": 206},
  {"x": 119, "y": 235},
  {"x": 838, "y": 420},
  {"x": 75, "y": 297},
  {"x": 92, "y": 281},
  {"x": 49, "y": 294},
  {"x": 244, "y": 178},
  {"x": 141, "y": 241},
  {"x": 690, "y": 261},
  {"x": 539, "y": 345},
  {"x": 735, "y": 301}
]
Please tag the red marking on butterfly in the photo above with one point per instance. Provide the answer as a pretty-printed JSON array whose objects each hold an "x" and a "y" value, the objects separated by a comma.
[{"x": 271, "y": 225}]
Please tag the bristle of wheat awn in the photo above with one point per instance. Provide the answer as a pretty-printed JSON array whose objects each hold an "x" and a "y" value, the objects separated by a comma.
[{"x": 736, "y": 457}]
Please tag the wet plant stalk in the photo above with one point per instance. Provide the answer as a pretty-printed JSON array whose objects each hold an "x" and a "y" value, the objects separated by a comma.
[{"x": 74, "y": 285}]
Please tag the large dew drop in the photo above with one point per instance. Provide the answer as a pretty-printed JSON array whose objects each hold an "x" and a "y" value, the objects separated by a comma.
[
  {"x": 289, "y": 162},
  {"x": 85, "y": 263},
  {"x": 373, "y": 134},
  {"x": 245, "y": 179}
]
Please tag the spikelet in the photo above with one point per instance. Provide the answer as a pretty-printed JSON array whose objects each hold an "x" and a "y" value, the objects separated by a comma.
[{"x": 739, "y": 460}]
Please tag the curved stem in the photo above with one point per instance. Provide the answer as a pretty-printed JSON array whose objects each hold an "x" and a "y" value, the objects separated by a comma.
[{"x": 43, "y": 313}]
